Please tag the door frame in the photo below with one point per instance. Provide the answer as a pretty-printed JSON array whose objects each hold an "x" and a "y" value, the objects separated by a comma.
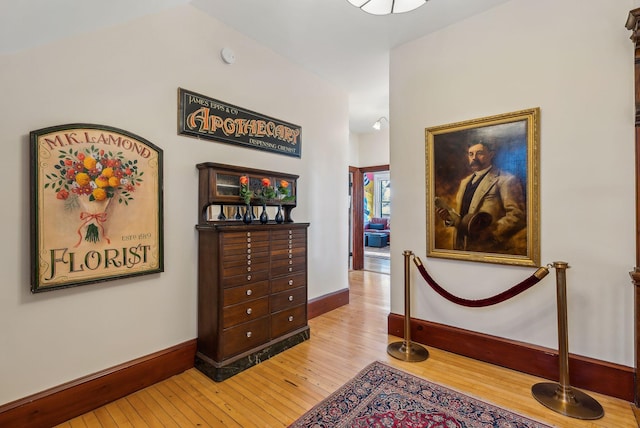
[{"x": 357, "y": 212}]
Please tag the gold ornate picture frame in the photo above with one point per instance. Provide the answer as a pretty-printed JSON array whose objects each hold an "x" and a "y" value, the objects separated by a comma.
[
  {"x": 96, "y": 206},
  {"x": 482, "y": 189}
]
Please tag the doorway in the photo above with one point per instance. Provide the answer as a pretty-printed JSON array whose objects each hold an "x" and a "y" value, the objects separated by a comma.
[{"x": 375, "y": 180}]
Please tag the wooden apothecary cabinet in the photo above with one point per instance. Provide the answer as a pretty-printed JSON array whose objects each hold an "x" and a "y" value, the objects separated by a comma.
[{"x": 252, "y": 279}]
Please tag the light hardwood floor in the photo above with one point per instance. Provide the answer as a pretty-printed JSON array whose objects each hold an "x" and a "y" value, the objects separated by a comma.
[{"x": 277, "y": 391}]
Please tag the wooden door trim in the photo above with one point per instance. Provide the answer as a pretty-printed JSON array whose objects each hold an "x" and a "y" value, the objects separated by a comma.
[{"x": 357, "y": 212}]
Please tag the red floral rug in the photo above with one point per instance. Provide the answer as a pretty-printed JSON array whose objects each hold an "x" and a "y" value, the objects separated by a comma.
[{"x": 383, "y": 396}]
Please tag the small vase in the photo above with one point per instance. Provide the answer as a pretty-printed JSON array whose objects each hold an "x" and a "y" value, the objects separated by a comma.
[
  {"x": 238, "y": 216},
  {"x": 247, "y": 218},
  {"x": 264, "y": 217},
  {"x": 221, "y": 216},
  {"x": 279, "y": 216}
]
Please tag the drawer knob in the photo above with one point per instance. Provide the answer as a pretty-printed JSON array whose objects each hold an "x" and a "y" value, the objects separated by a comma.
[
  {"x": 248, "y": 334},
  {"x": 290, "y": 255},
  {"x": 290, "y": 318},
  {"x": 291, "y": 282},
  {"x": 248, "y": 277},
  {"x": 249, "y": 251},
  {"x": 248, "y": 262},
  {"x": 291, "y": 298},
  {"x": 290, "y": 269},
  {"x": 290, "y": 262},
  {"x": 248, "y": 256},
  {"x": 249, "y": 292},
  {"x": 248, "y": 239},
  {"x": 248, "y": 268},
  {"x": 249, "y": 311}
]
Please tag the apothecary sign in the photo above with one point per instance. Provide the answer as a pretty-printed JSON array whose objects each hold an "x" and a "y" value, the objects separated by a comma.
[
  {"x": 203, "y": 117},
  {"x": 96, "y": 206}
]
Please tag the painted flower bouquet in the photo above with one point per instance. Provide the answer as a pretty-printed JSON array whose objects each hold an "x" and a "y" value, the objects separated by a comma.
[{"x": 91, "y": 179}]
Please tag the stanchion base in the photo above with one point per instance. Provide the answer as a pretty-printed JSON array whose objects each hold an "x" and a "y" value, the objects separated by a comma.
[
  {"x": 572, "y": 402},
  {"x": 415, "y": 352}
]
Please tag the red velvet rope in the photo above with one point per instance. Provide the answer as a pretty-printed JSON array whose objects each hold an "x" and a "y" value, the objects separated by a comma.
[{"x": 498, "y": 298}]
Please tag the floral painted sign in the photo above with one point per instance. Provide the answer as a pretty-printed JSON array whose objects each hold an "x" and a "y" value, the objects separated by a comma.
[{"x": 96, "y": 206}]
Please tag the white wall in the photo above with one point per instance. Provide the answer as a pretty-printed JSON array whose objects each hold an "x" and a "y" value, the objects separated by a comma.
[
  {"x": 373, "y": 148},
  {"x": 574, "y": 60},
  {"x": 127, "y": 77},
  {"x": 354, "y": 146}
]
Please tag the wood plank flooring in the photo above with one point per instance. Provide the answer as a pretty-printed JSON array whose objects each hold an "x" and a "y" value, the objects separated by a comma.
[{"x": 277, "y": 391}]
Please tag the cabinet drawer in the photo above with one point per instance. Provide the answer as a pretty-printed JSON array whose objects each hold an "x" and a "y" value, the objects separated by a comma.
[
  {"x": 288, "y": 320},
  {"x": 244, "y": 312},
  {"x": 244, "y": 337},
  {"x": 288, "y": 243},
  {"x": 288, "y": 299},
  {"x": 297, "y": 261},
  {"x": 244, "y": 237},
  {"x": 288, "y": 234},
  {"x": 245, "y": 260},
  {"x": 288, "y": 266},
  {"x": 245, "y": 279},
  {"x": 245, "y": 248},
  {"x": 235, "y": 295},
  {"x": 288, "y": 282},
  {"x": 245, "y": 269},
  {"x": 288, "y": 269},
  {"x": 288, "y": 253}
]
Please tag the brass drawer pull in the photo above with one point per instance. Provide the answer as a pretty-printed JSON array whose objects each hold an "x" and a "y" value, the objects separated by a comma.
[
  {"x": 248, "y": 277},
  {"x": 248, "y": 256},
  {"x": 248, "y": 233},
  {"x": 291, "y": 298},
  {"x": 291, "y": 282},
  {"x": 290, "y": 318},
  {"x": 248, "y": 334},
  {"x": 248, "y": 262},
  {"x": 249, "y": 292},
  {"x": 290, "y": 262},
  {"x": 249, "y": 311},
  {"x": 248, "y": 268},
  {"x": 290, "y": 269},
  {"x": 248, "y": 239}
]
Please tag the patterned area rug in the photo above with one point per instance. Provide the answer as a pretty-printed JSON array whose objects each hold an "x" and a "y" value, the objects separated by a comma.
[{"x": 383, "y": 396}]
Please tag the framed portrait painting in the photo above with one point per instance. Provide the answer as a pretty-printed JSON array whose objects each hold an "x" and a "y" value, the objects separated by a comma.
[
  {"x": 96, "y": 206},
  {"x": 482, "y": 189}
]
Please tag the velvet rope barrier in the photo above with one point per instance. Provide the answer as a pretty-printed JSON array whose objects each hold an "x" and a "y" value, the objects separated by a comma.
[{"x": 498, "y": 298}]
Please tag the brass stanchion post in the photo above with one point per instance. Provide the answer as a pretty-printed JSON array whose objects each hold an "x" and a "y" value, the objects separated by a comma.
[
  {"x": 407, "y": 350},
  {"x": 562, "y": 398}
]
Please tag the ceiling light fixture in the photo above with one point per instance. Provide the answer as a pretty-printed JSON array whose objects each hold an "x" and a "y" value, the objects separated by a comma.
[
  {"x": 378, "y": 125},
  {"x": 385, "y": 7}
]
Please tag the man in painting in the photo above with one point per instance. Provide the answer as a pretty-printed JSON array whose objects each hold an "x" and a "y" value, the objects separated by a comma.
[{"x": 491, "y": 207}]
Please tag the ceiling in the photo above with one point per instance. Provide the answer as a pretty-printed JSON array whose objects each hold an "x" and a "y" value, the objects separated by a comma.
[{"x": 331, "y": 38}]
